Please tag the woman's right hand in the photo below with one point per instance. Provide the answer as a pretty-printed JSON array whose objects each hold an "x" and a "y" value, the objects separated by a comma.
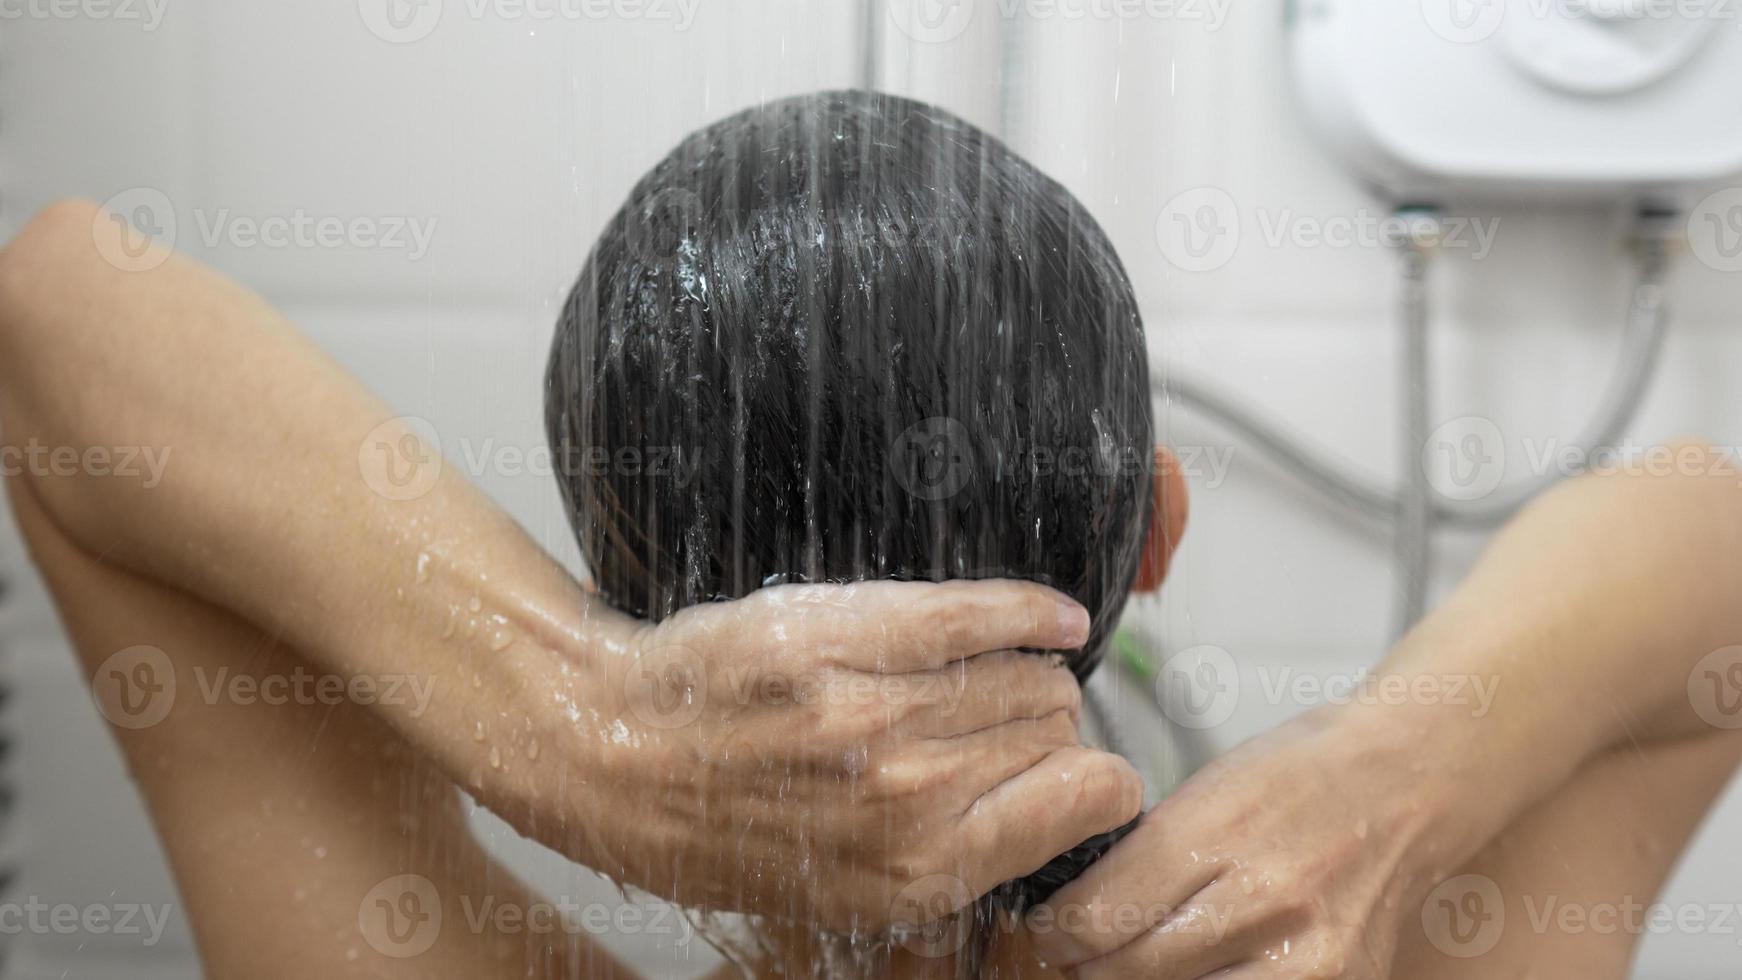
[
  {"x": 666, "y": 756},
  {"x": 853, "y": 755}
]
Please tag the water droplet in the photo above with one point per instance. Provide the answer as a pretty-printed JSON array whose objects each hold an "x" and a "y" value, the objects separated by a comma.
[
  {"x": 532, "y": 750},
  {"x": 495, "y": 757},
  {"x": 422, "y": 567},
  {"x": 500, "y": 641},
  {"x": 476, "y": 605},
  {"x": 478, "y": 732}
]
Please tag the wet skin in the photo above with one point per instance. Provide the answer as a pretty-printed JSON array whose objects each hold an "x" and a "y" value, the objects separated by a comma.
[{"x": 1324, "y": 841}]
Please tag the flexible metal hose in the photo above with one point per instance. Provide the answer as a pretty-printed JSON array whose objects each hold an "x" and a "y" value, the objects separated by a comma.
[
  {"x": 1414, "y": 535},
  {"x": 1641, "y": 346}
]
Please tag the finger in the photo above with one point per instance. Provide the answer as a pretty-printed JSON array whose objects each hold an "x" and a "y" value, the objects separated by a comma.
[
  {"x": 1151, "y": 969},
  {"x": 1067, "y": 797},
  {"x": 967, "y": 768},
  {"x": 1194, "y": 940},
  {"x": 945, "y": 776},
  {"x": 1087, "y": 920},
  {"x": 988, "y": 690},
  {"x": 1247, "y": 970},
  {"x": 910, "y": 626}
]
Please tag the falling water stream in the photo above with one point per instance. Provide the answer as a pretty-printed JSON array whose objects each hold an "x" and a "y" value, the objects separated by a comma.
[{"x": 879, "y": 345}]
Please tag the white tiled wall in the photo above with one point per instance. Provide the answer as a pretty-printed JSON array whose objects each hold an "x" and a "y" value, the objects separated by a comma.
[{"x": 517, "y": 137}]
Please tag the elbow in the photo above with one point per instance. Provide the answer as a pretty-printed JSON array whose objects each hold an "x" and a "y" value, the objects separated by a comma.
[
  {"x": 50, "y": 266},
  {"x": 70, "y": 219},
  {"x": 57, "y": 233}
]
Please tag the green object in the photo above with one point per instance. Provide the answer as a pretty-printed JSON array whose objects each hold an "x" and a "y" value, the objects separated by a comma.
[{"x": 1134, "y": 655}]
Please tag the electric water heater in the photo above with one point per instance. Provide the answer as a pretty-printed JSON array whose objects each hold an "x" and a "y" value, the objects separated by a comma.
[{"x": 1434, "y": 100}]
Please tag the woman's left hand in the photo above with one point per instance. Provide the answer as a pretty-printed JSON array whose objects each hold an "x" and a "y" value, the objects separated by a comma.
[{"x": 1290, "y": 857}]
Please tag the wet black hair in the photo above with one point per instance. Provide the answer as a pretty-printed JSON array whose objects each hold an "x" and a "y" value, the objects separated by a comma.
[{"x": 869, "y": 341}]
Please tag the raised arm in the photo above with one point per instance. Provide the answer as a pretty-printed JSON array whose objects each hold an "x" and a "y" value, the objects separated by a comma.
[
  {"x": 1596, "y": 651},
  {"x": 656, "y": 755}
]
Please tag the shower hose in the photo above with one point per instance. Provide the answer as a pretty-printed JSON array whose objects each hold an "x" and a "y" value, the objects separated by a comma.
[
  {"x": 1416, "y": 503},
  {"x": 1414, "y": 507}
]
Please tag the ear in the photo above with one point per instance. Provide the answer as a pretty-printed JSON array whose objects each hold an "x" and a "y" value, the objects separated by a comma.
[{"x": 1168, "y": 523}]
